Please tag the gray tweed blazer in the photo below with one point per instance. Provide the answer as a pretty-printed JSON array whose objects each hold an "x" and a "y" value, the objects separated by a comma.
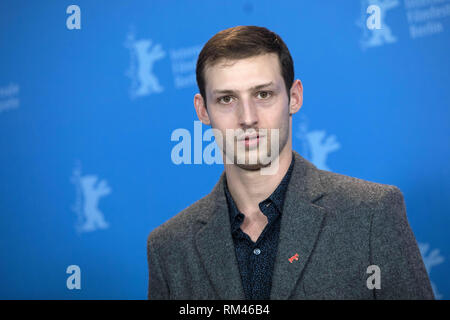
[{"x": 335, "y": 225}]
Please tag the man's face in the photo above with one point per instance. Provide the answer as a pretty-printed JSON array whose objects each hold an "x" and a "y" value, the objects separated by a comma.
[{"x": 248, "y": 94}]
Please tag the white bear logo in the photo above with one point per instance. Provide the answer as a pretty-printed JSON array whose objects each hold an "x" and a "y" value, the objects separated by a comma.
[
  {"x": 89, "y": 191},
  {"x": 144, "y": 54}
]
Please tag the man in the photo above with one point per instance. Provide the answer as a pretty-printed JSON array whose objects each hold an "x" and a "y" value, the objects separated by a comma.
[{"x": 297, "y": 233}]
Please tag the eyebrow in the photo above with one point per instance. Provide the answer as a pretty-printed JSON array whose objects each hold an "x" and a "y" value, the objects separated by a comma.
[{"x": 228, "y": 91}]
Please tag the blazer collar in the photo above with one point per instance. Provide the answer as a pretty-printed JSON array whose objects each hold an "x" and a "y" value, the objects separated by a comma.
[{"x": 300, "y": 226}]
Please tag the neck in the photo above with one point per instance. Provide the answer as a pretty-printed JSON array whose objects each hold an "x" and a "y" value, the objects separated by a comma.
[{"x": 249, "y": 187}]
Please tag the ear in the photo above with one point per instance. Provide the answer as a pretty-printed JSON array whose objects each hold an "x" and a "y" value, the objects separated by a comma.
[
  {"x": 200, "y": 108},
  {"x": 296, "y": 97}
]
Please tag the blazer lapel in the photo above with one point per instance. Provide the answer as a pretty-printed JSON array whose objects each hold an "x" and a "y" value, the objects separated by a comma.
[
  {"x": 216, "y": 247},
  {"x": 301, "y": 223},
  {"x": 300, "y": 226}
]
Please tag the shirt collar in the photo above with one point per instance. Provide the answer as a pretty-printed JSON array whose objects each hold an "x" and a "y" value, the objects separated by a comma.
[{"x": 277, "y": 197}]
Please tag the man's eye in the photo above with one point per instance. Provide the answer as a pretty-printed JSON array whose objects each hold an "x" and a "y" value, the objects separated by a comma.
[
  {"x": 225, "y": 99},
  {"x": 263, "y": 94}
]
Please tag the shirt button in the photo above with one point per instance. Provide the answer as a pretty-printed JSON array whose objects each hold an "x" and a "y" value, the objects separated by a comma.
[{"x": 256, "y": 251}]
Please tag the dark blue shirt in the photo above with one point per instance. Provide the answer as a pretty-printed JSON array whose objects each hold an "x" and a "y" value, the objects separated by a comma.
[{"x": 256, "y": 259}]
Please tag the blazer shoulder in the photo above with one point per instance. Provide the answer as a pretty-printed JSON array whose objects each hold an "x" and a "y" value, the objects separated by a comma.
[
  {"x": 181, "y": 226},
  {"x": 349, "y": 192}
]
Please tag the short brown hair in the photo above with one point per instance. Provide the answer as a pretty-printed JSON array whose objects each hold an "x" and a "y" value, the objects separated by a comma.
[{"x": 243, "y": 42}]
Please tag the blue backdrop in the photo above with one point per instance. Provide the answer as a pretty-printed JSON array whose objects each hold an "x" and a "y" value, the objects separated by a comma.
[{"x": 90, "y": 96}]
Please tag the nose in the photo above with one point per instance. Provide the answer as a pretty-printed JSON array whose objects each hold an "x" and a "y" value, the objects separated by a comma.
[{"x": 248, "y": 115}]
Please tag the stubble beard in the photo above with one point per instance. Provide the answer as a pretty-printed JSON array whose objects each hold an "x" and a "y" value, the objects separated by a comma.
[{"x": 267, "y": 150}]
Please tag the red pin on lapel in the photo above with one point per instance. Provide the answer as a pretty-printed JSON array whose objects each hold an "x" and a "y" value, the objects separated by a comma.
[{"x": 294, "y": 257}]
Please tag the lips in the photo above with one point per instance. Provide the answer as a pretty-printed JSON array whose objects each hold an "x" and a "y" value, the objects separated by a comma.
[
  {"x": 250, "y": 137},
  {"x": 251, "y": 141}
]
